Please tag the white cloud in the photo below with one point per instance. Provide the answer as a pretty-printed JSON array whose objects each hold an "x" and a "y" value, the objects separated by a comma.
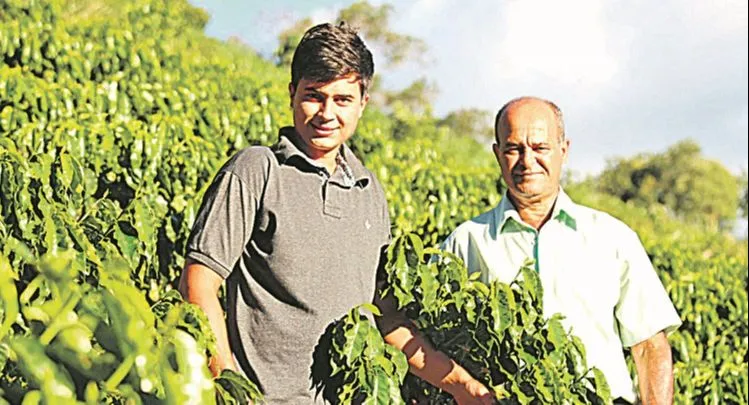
[
  {"x": 563, "y": 41},
  {"x": 325, "y": 14}
]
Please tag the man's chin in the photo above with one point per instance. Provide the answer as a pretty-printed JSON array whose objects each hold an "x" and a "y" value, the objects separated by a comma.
[
  {"x": 529, "y": 192},
  {"x": 324, "y": 145}
]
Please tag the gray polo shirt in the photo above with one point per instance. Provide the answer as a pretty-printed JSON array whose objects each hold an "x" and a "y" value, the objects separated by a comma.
[{"x": 297, "y": 247}]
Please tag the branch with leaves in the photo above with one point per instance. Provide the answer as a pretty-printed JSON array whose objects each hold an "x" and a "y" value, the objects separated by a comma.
[{"x": 496, "y": 331}]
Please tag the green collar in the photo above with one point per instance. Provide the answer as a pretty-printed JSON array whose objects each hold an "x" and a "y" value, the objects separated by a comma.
[{"x": 510, "y": 221}]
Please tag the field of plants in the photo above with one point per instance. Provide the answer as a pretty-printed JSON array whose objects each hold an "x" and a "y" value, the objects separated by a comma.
[{"x": 114, "y": 118}]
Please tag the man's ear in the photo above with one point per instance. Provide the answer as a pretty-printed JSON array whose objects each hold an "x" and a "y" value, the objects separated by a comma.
[
  {"x": 364, "y": 101},
  {"x": 292, "y": 91},
  {"x": 565, "y": 149},
  {"x": 497, "y": 153}
]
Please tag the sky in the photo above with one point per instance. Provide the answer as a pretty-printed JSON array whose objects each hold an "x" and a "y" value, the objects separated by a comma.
[{"x": 630, "y": 77}]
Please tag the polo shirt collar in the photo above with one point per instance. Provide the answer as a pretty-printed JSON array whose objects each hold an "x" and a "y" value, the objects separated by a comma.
[
  {"x": 289, "y": 148},
  {"x": 508, "y": 218}
]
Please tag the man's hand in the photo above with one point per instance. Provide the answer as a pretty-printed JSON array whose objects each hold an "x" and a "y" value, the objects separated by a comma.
[
  {"x": 471, "y": 392},
  {"x": 217, "y": 364}
]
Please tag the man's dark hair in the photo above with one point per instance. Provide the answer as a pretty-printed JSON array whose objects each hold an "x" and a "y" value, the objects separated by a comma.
[
  {"x": 327, "y": 52},
  {"x": 557, "y": 113}
]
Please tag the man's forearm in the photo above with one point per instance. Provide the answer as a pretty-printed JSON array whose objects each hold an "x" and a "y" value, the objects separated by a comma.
[
  {"x": 436, "y": 368},
  {"x": 654, "y": 370},
  {"x": 441, "y": 372},
  {"x": 425, "y": 361},
  {"x": 223, "y": 358},
  {"x": 203, "y": 293}
]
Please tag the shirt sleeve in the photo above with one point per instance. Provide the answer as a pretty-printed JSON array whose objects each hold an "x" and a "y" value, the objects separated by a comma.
[
  {"x": 223, "y": 225},
  {"x": 644, "y": 307}
]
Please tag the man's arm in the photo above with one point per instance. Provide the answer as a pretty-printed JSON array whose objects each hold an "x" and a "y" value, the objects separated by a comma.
[
  {"x": 425, "y": 361},
  {"x": 654, "y": 370},
  {"x": 200, "y": 285},
  {"x": 436, "y": 368}
]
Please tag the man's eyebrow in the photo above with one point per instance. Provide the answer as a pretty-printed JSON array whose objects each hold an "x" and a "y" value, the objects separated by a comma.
[{"x": 312, "y": 89}]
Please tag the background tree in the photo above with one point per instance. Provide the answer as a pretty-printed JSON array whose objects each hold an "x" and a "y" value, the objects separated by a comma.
[
  {"x": 288, "y": 39},
  {"x": 473, "y": 122},
  {"x": 416, "y": 98},
  {"x": 691, "y": 187},
  {"x": 373, "y": 23}
]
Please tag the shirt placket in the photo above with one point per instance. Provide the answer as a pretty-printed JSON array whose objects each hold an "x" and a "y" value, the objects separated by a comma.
[{"x": 332, "y": 201}]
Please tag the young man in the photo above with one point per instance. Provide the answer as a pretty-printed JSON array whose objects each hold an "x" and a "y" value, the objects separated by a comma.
[
  {"x": 297, "y": 231},
  {"x": 593, "y": 268}
]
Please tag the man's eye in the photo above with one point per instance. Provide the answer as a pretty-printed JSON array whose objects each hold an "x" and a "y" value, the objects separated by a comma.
[
  {"x": 312, "y": 97},
  {"x": 343, "y": 101}
]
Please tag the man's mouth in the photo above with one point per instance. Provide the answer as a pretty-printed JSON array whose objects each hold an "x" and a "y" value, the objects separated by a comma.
[{"x": 323, "y": 130}]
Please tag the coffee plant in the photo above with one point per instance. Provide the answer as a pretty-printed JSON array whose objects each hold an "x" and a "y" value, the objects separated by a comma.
[
  {"x": 496, "y": 331},
  {"x": 114, "y": 116}
]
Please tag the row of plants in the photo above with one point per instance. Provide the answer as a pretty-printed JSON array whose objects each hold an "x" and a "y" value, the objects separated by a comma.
[{"x": 112, "y": 123}]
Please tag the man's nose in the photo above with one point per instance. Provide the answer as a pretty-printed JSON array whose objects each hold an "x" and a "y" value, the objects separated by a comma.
[
  {"x": 527, "y": 157},
  {"x": 327, "y": 109}
]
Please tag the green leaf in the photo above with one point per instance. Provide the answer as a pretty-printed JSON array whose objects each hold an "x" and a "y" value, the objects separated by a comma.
[
  {"x": 557, "y": 335},
  {"x": 502, "y": 308},
  {"x": 356, "y": 337},
  {"x": 382, "y": 390},
  {"x": 417, "y": 245},
  {"x": 40, "y": 371},
  {"x": 242, "y": 388},
  {"x": 602, "y": 387},
  {"x": 371, "y": 308},
  {"x": 532, "y": 283},
  {"x": 8, "y": 297},
  {"x": 128, "y": 246}
]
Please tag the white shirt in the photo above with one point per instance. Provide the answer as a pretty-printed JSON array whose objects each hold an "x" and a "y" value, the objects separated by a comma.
[{"x": 593, "y": 269}]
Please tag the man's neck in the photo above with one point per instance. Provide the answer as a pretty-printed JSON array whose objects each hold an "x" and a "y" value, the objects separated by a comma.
[
  {"x": 326, "y": 160},
  {"x": 534, "y": 211}
]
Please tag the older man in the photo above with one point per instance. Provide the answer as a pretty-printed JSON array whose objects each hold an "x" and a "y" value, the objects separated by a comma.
[{"x": 593, "y": 268}]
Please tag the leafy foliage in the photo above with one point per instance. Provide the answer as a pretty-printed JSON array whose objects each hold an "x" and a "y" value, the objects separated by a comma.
[
  {"x": 691, "y": 187},
  {"x": 98, "y": 344},
  {"x": 471, "y": 122},
  {"x": 497, "y": 332},
  {"x": 353, "y": 364},
  {"x": 100, "y": 124},
  {"x": 113, "y": 118}
]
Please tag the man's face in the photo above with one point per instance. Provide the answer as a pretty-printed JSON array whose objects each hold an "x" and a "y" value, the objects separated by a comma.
[
  {"x": 530, "y": 152},
  {"x": 326, "y": 114}
]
